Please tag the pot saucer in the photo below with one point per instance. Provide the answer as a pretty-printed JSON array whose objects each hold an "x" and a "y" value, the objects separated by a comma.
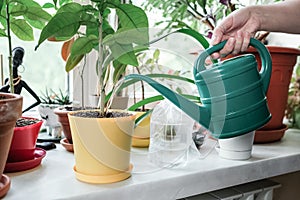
[
  {"x": 4, "y": 185},
  {"x": 266, "y": 136},
  {"x": 140, "y": 142},
  {"x": 103, "y": 178},
  {"x": 39, "y": 154},
  {"x": 65, "y": 143}
]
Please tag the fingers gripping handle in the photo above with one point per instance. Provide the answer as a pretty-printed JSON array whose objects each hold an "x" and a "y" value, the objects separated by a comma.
[{"x": 264, "y": 54}]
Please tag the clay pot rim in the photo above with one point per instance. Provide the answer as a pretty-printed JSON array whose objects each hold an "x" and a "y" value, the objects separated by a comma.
[
  {"x": 278, "y": 49},
  {"x": 39, "y": 123},
  {"x": 10, "y": 96}
]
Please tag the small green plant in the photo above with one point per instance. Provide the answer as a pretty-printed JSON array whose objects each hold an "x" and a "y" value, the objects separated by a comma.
[{"x": 51, "y": 97}]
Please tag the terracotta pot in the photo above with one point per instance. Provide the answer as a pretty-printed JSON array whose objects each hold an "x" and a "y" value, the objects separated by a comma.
[
  {"x": 283, "y": 62},
  {"x": 62, "y": 114},
  {"x": 24, "y": 142},
  {"x": 10, "y": 111},
  {"x": 102, "y": 148}
]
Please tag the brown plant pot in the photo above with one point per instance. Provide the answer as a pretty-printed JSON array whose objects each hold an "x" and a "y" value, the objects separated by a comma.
[
  {"x": 62, "y": 114},
  {"x": 283, "y": 62},
  {"x": 10, "y": 111}
]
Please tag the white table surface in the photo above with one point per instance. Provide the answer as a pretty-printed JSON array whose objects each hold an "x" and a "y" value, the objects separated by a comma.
[{"x": 55, "y": 179}]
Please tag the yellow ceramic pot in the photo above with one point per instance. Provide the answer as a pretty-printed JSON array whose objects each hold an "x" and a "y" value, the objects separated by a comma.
[
  {"x": 141, "y": 134},
  {"x": 102, "y": 147}
]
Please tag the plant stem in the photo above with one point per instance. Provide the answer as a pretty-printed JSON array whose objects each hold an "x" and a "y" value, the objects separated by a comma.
[
  {"x": 100, "y": 69},
  {"x": 11, "y": 81}
]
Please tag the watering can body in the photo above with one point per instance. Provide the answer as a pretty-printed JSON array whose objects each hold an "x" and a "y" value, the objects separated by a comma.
[{"x": 232, "y": 92}]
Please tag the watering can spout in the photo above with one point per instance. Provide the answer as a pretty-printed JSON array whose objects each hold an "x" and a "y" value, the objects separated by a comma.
[{"x": 197, "y": 112}]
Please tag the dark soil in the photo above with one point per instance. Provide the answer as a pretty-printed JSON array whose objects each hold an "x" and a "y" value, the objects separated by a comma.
[
  {"x": 25, "y": 122},
  {"x": 96, "y": 114},
  {"x": 71, "y": 108}
]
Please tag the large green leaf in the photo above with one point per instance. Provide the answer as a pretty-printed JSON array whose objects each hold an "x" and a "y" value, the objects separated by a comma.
[
  {"x": 70, "y": 7},
  {"x": 22, "y": 29},
  {"x": 64, "y": 24},
  {"x": 1, "y": 4},
  {"x": 35, "y": 23},
  {"x": 84, "y": 45},
  {"x": 18, "y": 10},
  {"x": 37, "y": 13},
  {"x": 73, "y": 61},
  {"x": 124, "y": 53},
  {"x": 134, "y": 20}
]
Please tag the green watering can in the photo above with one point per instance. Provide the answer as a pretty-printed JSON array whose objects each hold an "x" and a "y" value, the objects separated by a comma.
[{"x": 232, "y": 92}]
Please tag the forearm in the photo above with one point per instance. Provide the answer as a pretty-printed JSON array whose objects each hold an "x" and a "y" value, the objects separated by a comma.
[{"x": 279, "y": 17}]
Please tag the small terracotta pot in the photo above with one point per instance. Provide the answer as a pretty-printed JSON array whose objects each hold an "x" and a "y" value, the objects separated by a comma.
[
  {"x": 24, "y": 142},
  {"x": 62, "y": 114}
]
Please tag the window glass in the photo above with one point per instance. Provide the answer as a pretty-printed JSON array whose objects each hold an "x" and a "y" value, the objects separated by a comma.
[{"x": 43, "y": 68}]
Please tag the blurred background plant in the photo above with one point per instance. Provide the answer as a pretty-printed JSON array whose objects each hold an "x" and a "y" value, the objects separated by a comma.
[
  {"x": 200, "y": 15},
  {"x": 293, "y": 105},
  {"x": 52, "y": 97}
]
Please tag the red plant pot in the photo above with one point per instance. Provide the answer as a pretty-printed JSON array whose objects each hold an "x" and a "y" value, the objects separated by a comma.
[{"x": 24, "y": 142}]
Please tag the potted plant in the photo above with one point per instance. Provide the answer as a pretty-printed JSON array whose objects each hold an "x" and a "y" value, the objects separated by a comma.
[
  {"x": 19, "y": 18},
  {"x": 103, "y": 154},
  {"x": 23, "y": 153},
  {"x": 283, "y": 58},
  {"x": 50, "y": 100}
]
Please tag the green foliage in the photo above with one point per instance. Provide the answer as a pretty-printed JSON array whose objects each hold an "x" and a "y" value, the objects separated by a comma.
[
  {"x": 89, "y": 25},
  {"x": 20, "y": 17},
  {"x": 24, "y": 15},
  {"x": 193, "y": 14},
  {"x": 293, "y": 104},
  {"x": 132, "y": 30},
  {"x": 51, "y": 97}
]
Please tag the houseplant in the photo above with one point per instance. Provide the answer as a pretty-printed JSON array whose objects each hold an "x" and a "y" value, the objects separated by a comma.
[
  {"x": 50, "y": 100},
  {"x": 18, "y": 17},
  {"x": 23, "y": 153},
  {"x": 110, "y": 45}
]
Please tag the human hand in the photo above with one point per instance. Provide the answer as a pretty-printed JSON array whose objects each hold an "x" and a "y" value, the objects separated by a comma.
[{"x": 237, "y": 29}]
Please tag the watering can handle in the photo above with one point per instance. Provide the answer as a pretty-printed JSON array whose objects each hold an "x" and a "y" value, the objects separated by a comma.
[{"x": 264, "y": 54}]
